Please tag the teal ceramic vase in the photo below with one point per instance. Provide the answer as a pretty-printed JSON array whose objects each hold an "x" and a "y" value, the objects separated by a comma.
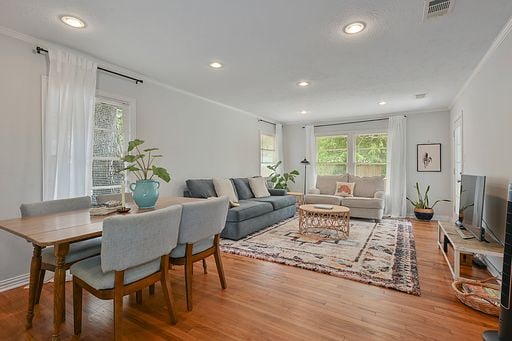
[{"x": 145, "y": 193}]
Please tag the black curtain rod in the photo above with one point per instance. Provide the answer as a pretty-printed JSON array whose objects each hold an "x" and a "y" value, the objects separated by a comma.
[
  {"x": 40, "y": 50},
  {"x": 342, "y": 123},
  {"x": 260, "y": 120}
]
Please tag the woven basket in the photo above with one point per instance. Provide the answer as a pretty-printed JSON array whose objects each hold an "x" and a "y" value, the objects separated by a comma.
[{"x": 475, "y": 301}]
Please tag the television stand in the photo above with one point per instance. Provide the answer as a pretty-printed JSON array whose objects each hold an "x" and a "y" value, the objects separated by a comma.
[{"x": 447, "y": 234}]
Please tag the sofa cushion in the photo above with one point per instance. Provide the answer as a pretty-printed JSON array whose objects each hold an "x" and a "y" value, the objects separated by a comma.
[
  {"x": 201, "y": 188},
  {"x": 366, "y": 186},
  {"x": 278, "y": 201},
  {"x": 242, "y": 188},
  {"x": 225, "y": 188},
  {"x": 360, "y": 202},
  {"x": 322, "y": 199},
  {"x": 327, "y": 183},
  {"x": 259, "y": 187},
  {"x": 248, "y": 209}
]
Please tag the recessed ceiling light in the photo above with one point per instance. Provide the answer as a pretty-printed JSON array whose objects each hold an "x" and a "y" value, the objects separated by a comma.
[
  {"x": 383, "y": 103},
  {"x": 303, "y": 83},
  {"x": 216, "y": 65},
  {"x": 303, "y": 112},
  {"x": 354, "y": 27},
  {"x": 72, "y": 21}
]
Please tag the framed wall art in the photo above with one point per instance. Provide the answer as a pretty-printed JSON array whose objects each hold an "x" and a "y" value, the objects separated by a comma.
[{"x": 429, "y": 157}]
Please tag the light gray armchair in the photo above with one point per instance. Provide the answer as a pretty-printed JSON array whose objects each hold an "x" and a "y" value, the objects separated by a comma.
[
  {"x": 44, "y": 259},
  {"x": 134, "y": 254},
  {"x": 199, "y": 236}
]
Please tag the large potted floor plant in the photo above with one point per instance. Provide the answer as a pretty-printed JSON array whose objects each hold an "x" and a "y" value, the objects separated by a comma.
[
  {"x": 280, "y": 181},
  {"x": 145, "y": 189},
  {"x": 422, "y": 208}
]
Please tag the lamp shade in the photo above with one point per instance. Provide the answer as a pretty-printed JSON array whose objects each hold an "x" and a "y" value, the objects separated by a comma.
[{"x": 305, "y": 162}]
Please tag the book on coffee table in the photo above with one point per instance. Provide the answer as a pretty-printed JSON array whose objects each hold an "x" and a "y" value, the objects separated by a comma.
[{"x": 323, "y": 206}]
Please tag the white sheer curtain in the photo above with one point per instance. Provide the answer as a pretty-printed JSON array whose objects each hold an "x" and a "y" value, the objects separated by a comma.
[
  {"x": 279, "y": 146},
  {"x": 396, "y": 167},
  {"x": 68, "y": 126},
  {"x": 311, "y": 157}
]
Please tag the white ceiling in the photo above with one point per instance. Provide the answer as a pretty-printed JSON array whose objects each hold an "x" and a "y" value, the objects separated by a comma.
[{"x": 269, "y": 45}]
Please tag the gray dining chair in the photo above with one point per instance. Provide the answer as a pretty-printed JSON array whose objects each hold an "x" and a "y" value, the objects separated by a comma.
[
  {"x": 102, "y": 199},
  {"x": 199, "y": 237},
  {"x": 77, "y": 251},
  {"x": 134, "y": 254}
]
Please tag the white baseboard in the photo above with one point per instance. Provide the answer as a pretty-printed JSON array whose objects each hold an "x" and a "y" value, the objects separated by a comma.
[{"x": 14, "y": 282}]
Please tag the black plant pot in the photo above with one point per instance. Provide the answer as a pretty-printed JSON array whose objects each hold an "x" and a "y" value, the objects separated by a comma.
[{"x": 424, "y": 213}]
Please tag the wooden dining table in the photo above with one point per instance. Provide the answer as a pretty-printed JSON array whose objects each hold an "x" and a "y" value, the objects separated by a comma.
[{"x": 60, "y": 230}]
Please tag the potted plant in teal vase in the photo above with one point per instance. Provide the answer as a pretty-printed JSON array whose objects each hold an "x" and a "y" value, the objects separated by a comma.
[
  {"x": 142, "y": 166},
  {"x": 422, "y": 208}
]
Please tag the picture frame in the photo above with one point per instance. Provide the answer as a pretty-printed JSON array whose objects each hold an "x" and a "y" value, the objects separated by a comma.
[{"x": 428, "y": 157}]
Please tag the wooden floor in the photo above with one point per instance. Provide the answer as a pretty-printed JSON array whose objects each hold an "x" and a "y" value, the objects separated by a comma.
[{"x": 267, "y": 301}]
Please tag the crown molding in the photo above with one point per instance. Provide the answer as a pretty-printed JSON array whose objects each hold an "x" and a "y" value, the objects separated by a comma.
[
  {"x": 492, "y": 49},
  {"x": 36, "y": 41}
]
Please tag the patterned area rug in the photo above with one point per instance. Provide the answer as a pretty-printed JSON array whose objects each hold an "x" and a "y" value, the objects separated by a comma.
[{"x": 382, "y": 254}]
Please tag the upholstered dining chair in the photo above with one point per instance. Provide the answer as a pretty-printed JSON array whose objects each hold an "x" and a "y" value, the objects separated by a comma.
[
  {"x": 199, "y": 237},
  {"x": 134, "y": 254},
  {"x": 45, "y": 258}
]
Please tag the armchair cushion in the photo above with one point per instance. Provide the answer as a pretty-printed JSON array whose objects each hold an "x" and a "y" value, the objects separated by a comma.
[
  {"x": 314, "y": 191},
  {"x": 322, "y": 199},
  {"x": 366, "y": 186},
  {"x": 89, "y": 271},
  {"x": 327, "y": 183},
  {"x": 360, "y": 202},
  {"x": 380, "y": 195}
]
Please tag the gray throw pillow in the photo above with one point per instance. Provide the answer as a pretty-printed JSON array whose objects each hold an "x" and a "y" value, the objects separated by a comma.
[{"x": 242, "y": 188}]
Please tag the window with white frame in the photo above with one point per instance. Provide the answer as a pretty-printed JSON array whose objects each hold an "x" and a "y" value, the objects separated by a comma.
[
  {"x": 267, "y": 153},
  {"x": 355, "y": 153},
  {"x": 111, "y": 135}
]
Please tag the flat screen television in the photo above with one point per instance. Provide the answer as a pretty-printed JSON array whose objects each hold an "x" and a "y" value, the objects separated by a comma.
[{"x": 471, "y": 204}]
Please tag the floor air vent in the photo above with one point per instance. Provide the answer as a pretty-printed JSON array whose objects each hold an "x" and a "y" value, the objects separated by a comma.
[{"x": 436, "y": 8}]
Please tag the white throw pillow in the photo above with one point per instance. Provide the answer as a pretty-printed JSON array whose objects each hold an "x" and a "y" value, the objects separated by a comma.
[
  {"x": 345, "y": 189},
  {"x": 259, "y": 187},
  {"x": 224, "y": 188}
]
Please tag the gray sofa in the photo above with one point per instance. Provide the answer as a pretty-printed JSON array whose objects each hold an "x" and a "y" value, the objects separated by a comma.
[
  {"x": 368, "y": 200},
  {"x": 253, "y": 214}
]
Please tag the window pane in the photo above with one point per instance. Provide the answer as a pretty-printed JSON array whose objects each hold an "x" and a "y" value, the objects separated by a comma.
[
  {"x": 267, "y": 142},
  {"x": 371, "y": 153},
  {"x": 267, "y": 156},
  {"x": 332, "y": 154},
  {"x": 105, "y": 144},
  {"x": 105, "y": 173},
  {"x": 331, "y": 169}
]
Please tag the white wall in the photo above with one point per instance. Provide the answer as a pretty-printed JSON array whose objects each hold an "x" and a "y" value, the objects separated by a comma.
[
  {"x": 430, "y": 128},
  {"x": 421, "y": 128},
  {"x": 486, "y": 108},
  {"x": 198, "y": 138}
]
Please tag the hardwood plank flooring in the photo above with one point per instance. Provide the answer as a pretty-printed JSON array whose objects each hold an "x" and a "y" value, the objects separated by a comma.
[{"x": 268, "y": 301}]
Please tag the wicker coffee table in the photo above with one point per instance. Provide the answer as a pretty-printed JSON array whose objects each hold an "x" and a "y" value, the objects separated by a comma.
[{"x": 336, "y": 218}]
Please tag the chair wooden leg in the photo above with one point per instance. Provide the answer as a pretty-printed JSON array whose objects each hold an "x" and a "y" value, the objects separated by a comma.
[
  {"x": 118, "y": 305},
  {"x": 42, "y": 273},
  {"x": 166, "y": 289},
  {"x": 220, "y": 268},
  {"x": 35, "y": 267},
  {"x": 188, "y": 275},
  {"x": 138, "y": 297},
  {"x": 152, "y": 290},
  {"x": 205, "y": 266},
  {"x": 77, "y": 307}
]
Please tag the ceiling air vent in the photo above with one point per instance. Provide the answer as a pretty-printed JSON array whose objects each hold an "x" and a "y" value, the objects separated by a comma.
[{"x": 436, "y": 8}]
